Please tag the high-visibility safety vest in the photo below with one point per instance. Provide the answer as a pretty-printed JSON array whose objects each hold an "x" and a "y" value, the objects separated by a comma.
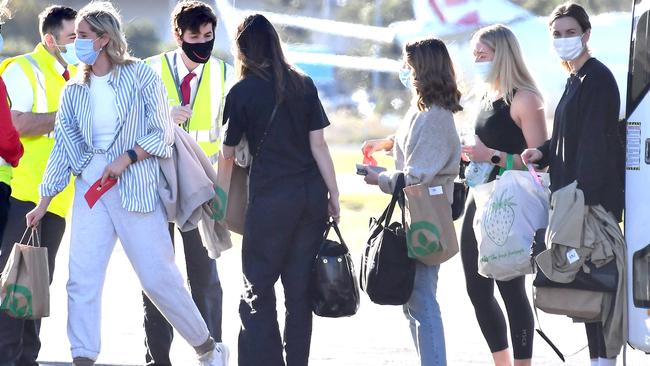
[
  {"x": 208, "y": 104},
  {"x": 46, "y": 84},
  {"x": 5, "y": 172}
]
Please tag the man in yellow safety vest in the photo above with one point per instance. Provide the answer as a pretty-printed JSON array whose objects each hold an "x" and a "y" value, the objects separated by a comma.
[
  {"x": 11, "y": 149},
  {"x": 34, "y": 83},
  {"x": 196, "y": 84}
]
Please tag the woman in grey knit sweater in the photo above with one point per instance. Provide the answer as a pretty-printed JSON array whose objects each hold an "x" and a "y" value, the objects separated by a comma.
[{"x": 426, "y": 148}]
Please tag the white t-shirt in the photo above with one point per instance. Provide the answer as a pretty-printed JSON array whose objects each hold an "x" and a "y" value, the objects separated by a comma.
[
  {"x": 18, "y": 87},
  {"x": 102, "y": 102}
]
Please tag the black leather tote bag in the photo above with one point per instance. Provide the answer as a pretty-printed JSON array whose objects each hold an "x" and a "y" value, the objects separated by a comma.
[
  {"x": 334, "y": 286},
  {"x": 387, "y": 273}
]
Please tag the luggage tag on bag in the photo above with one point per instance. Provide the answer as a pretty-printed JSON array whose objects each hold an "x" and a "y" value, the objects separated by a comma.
[
  {"x": 97, "y": 190},
  {"x": 435, "y": 191},
  {"x": 572, "y": 256}
]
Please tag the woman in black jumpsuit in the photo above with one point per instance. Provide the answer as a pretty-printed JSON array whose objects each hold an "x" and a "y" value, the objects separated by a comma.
[
  {"x": 587, "y": 144},
  {"x": 292, "y": 183}
]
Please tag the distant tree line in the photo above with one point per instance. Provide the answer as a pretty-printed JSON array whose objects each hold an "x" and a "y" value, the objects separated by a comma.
[
  {"x": 592, "y": 6},
  {"x": 21, "y": 32}
]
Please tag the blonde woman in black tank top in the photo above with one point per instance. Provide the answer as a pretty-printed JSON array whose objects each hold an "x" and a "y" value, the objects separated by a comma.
[{"x": 511, "y": 119}]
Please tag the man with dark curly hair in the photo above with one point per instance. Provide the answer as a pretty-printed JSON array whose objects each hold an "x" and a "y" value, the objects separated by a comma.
[{"x": 196, "y": 84}]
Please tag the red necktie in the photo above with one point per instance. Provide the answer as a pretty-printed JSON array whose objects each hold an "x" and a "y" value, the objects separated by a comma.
[
  {"x": 66, "y": 75},
  {"x": 186, "y": 91}
]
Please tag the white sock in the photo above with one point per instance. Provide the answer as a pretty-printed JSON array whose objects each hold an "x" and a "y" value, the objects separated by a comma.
[
  {"x": 606, "y": 362},
  {"x": 594, "y": 362}
]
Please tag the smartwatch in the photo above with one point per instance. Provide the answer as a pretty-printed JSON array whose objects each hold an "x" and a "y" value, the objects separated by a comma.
[
  {"x": 132, "y": 155},
  {"x": 496, "y": 157}
]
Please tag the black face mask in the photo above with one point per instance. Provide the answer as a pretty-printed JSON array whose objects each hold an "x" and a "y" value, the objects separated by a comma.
[{"x": 198, "y": 52}]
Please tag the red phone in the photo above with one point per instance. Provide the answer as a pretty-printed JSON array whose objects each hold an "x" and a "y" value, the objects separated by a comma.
[{"x": 97, "y": 190}]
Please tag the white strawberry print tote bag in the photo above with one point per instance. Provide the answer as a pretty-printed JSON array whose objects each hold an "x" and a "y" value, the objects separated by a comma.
[{"x": 508, "y": 212}]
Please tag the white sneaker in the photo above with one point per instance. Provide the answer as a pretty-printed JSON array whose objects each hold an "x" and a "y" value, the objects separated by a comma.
[
  {"x": 225, "y": 353},
  {"x": 212, "y": 358}
]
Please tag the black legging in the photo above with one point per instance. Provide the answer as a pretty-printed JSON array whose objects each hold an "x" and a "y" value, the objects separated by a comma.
[
  {"x": 595, "y": 340},
  {"x": 481, "y": 292}
]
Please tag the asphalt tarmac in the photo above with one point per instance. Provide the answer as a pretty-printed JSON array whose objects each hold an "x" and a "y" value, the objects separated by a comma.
[{"x": 376, "y": 335}]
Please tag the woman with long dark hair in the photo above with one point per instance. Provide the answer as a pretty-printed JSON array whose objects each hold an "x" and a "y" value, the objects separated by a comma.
[
  {"x": 292, "y": 192},
  {"x": 587, "y": 145},
  {"x": 426, "y": 148}
]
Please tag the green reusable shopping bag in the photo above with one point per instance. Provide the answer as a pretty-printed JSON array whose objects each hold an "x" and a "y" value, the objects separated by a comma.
[
  {"x": 24, "y": 283},
  {"x": 430, "y": 233}
]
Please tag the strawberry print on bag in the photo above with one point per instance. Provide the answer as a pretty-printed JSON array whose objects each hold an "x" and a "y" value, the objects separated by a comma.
[
  {"x": 509, "y": 211},
  {"x": 499, "y": 218}
]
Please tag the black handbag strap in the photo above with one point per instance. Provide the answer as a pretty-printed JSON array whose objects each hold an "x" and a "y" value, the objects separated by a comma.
[
  {"x": 332, "y": 224},
  {"x": 546, "y": 339},
  {"x": 398, "y": 196},
  {"x": 266, "y": 131}
]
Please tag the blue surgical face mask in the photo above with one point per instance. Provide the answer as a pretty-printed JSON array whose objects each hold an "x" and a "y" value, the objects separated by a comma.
[
  {"x": 482, "y": 70},
  {"x": 84, "y": 48},
  {"x": 405, "y": 74},
  {"x": 70, "y": 56}
]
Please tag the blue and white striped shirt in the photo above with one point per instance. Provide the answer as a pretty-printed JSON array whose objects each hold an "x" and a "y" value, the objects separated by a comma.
[{"x": 143, "y": 119}]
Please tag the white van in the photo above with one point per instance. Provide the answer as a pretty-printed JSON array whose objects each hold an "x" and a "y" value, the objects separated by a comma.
[{"x": 637, "y": 180}]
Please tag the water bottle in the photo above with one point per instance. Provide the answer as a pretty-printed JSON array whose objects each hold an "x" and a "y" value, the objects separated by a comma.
[{"x": 478, "y": 173}]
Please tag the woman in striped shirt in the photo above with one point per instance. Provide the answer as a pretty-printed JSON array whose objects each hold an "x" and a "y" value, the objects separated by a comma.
[{"x": 114, "y": 124}]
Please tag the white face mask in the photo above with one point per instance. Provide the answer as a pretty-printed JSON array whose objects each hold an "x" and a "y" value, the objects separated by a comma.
[
  {"x": 482, "y": 70},
  {"x": 568, "y": 49}
]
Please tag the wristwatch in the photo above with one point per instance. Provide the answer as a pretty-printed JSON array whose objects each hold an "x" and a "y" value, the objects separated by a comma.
[
  {"x": 496, "y": 157},
  {"x": 133, "y": 156}
]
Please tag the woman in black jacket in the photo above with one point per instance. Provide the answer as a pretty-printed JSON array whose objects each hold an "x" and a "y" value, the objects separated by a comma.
[
  {"x": 292, "y": 192},
  {"x": 587, "y": 144}
]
